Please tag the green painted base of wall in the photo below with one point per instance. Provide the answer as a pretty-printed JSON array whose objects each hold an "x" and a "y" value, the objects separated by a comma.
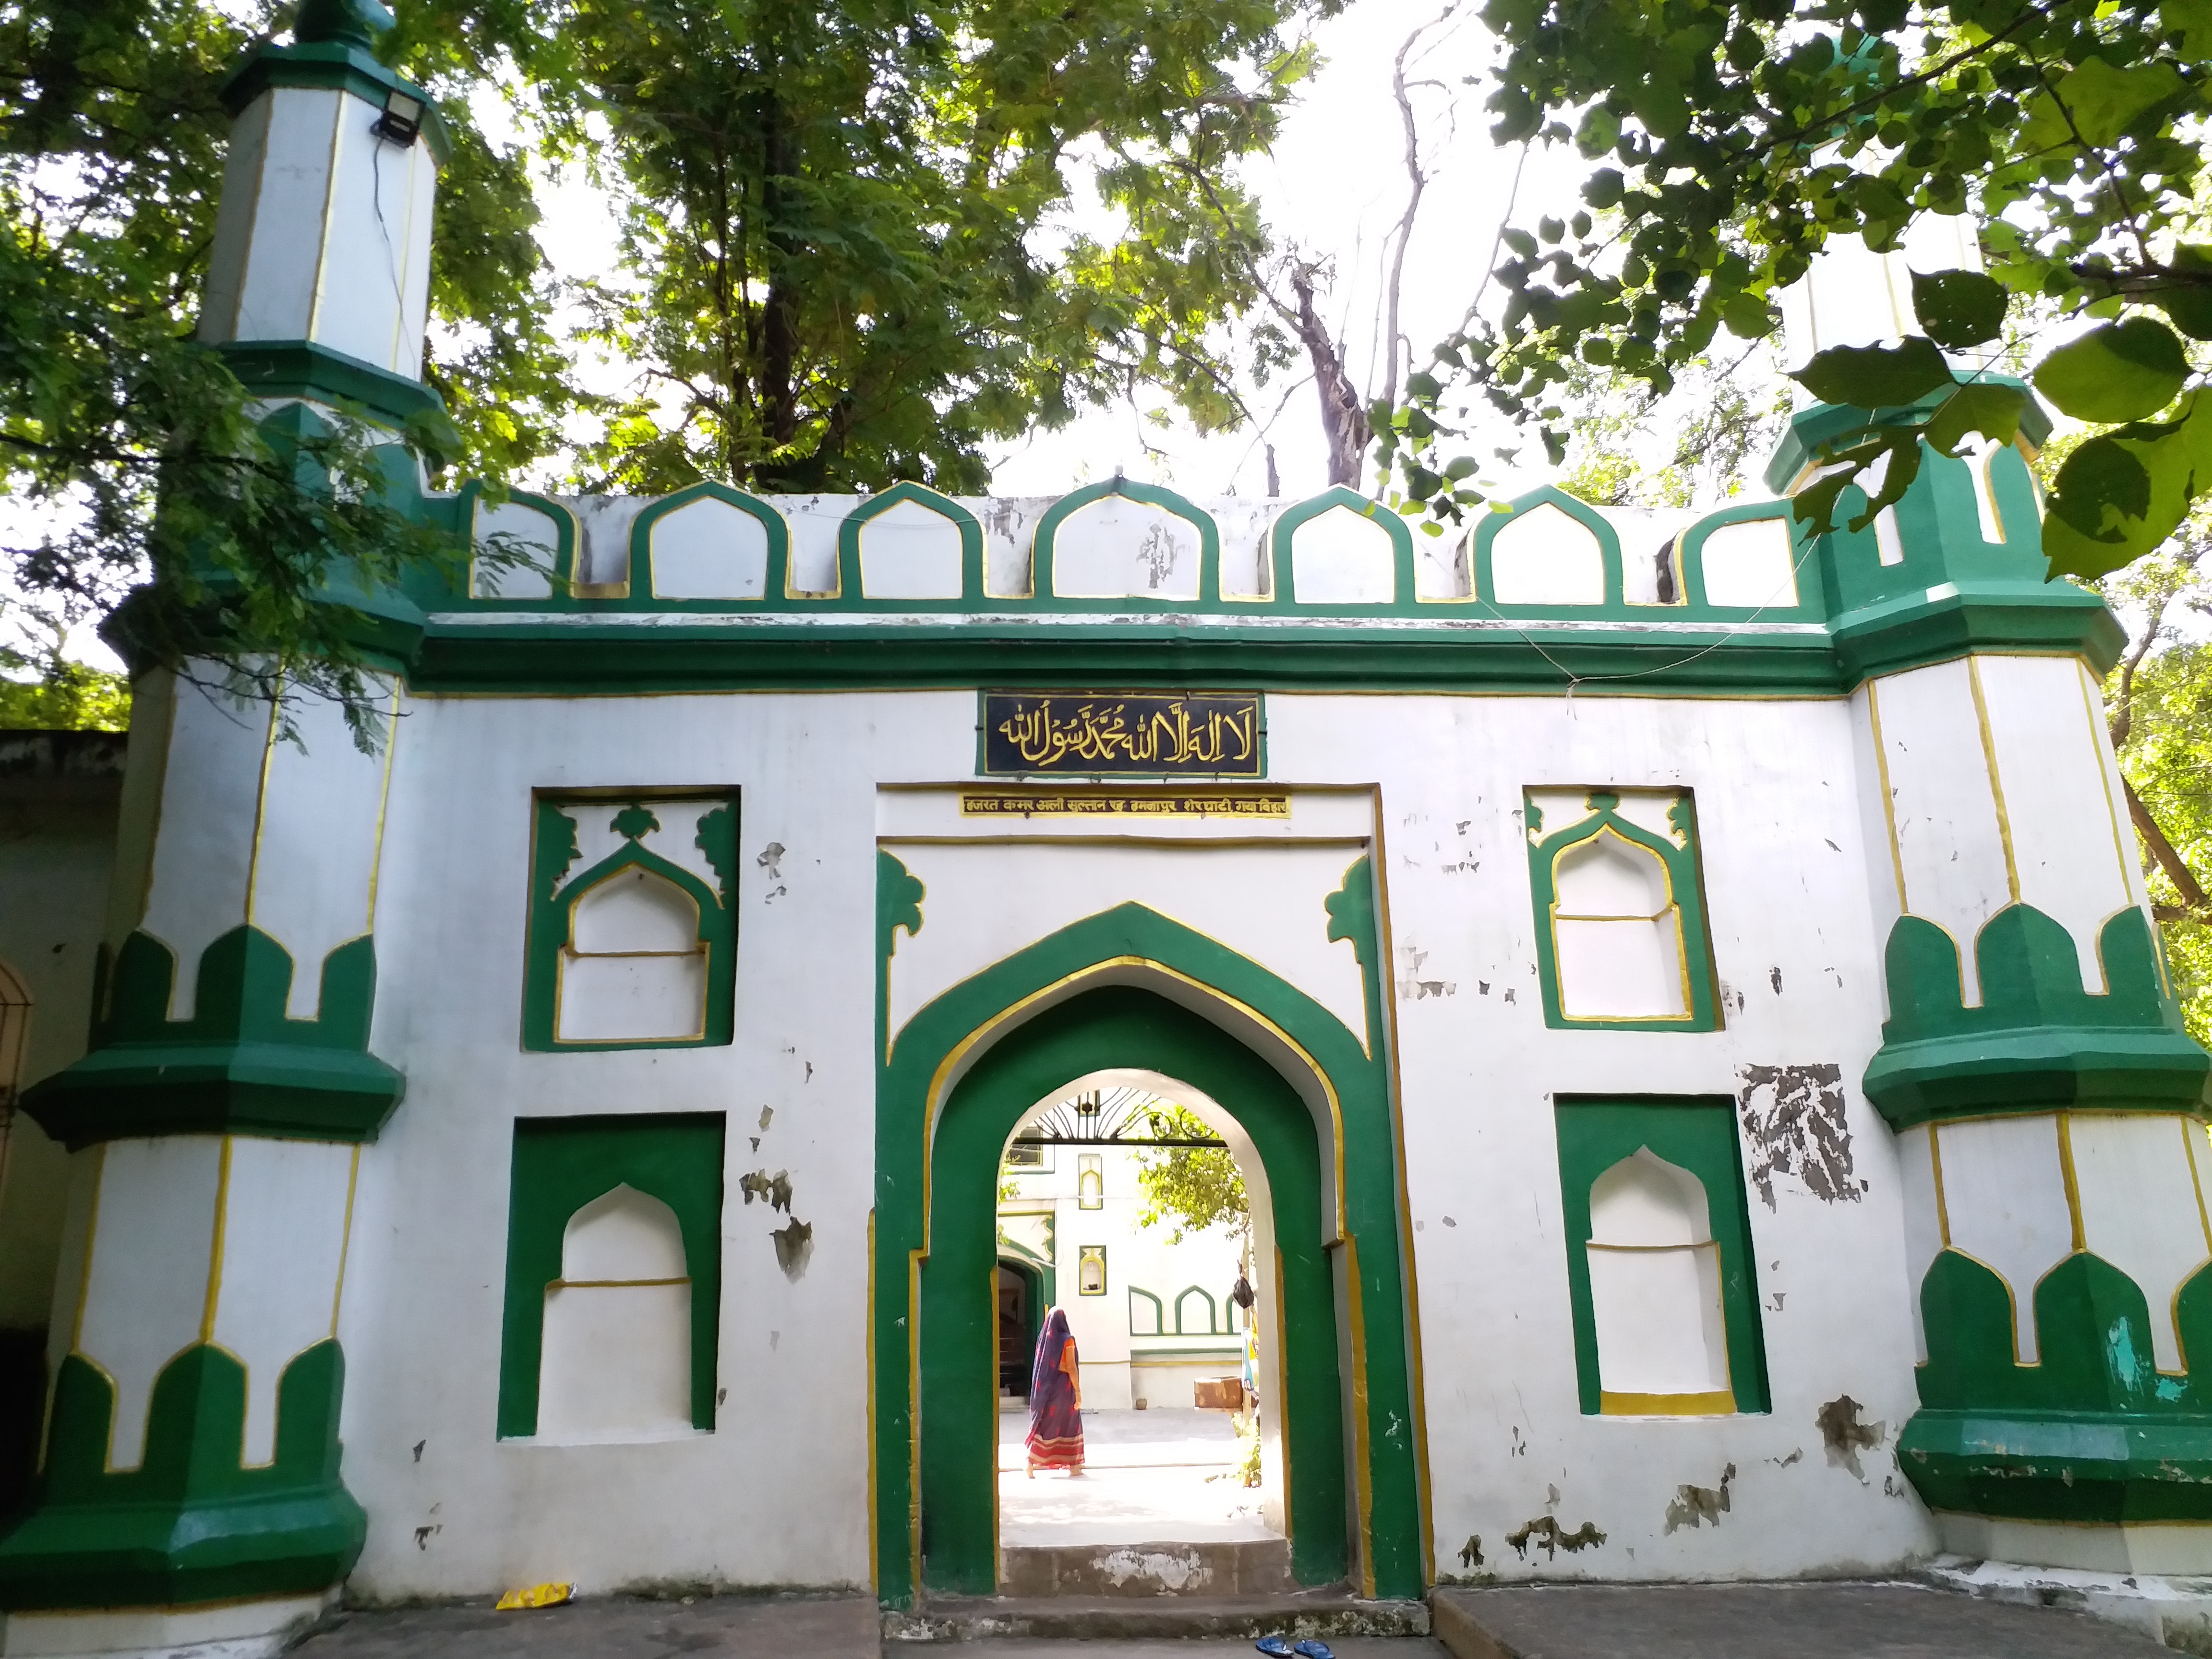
[
  {"x": 2085, "y": 1467},
  {"x": 190, "y": 1524},
  {"x": 240, "y": 1065}
]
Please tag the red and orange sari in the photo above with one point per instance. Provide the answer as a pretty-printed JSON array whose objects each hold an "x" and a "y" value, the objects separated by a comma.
[{"x": 1055, "y": 1438}]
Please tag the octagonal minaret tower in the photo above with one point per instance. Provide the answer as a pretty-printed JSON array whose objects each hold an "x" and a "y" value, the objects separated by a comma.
[
  {"x": 190, "y": 1491},
  {"x": 2049, "y": 1108}
]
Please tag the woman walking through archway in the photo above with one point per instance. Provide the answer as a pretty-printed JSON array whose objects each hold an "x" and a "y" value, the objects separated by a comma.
[{"x": 1056, "y": 1438}]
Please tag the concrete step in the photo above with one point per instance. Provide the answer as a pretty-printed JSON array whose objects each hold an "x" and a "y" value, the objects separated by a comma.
[
  {"x": 1259, "y": 1566},
  {"x": 1326, "y": 1614}
]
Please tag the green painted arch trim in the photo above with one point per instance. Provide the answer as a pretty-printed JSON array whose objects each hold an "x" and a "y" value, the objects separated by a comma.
[
  {"x": 1210, "y": 1310},
  {"x": 191, "y": 1524},
  {"x": 1159, "y": 1314},
  {"x": 566, "y": 534},
  {"x": 1609, "y": 546},
  {"x": 551, "y": 926},
  {"x": 2039, "y": 1041},
  {"x": 1693, "y": 1133},
  {"x": 852, "y": 592},
  {"x": 560, "y": 1164},
  {"x": 1087, "y": 1031},
  {"x": 1684, "y": 887},
  {"x": 944, "y": 1030},
  {"x": 1689, "y": 567},
  {"x": 775, "y": 583},
  {"x": 240, "y": 1065},
  {"x": 1282, "y": 574},
  {"x": 1045, "y": 595}
]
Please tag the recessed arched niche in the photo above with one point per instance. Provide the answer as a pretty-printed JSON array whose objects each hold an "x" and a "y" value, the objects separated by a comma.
[
  {"x": 531, "y": 535},
  {"x": 1750, "y": 564},
  {"x": 635, "y": 967},
  {"x": 1342, "y": 557},
  {"x": 1194, "y": 1313},
  {"x": 708, "y": 549},
  {"x": 1542, "y": 554},
  {"x": 910, "y": 550},
  {"x": 1118, "y": 547},
  {"x": 1655, "y": 1276},
  {"x": 617, "y": 1359},
  {"x": 1617, "y": 932}
]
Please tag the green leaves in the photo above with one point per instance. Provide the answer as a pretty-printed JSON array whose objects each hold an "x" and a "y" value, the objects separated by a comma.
[
  {"x": 2101, "y": 480},
  {"x": 1876, "y": 377},
  {"x": 2122, "y": 371},
  {"x": 2097, "y": 103},
  {"x": 2122, "y": 493},
  {"x": 1983, "y": 407},
  {"x": 1959, "y": 308}
]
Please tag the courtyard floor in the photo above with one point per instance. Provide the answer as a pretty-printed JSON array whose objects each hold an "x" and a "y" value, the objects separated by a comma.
[{"x": 1149, "y": 1477}]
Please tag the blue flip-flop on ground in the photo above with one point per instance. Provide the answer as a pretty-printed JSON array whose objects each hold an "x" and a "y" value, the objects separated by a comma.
[
  {"x": 1274, "y": 1646},
  {"x": 1313, "y": 1649}
]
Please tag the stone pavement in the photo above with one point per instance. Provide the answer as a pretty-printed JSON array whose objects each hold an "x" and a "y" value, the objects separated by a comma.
[
  {"x": 1767, "y": 1622},
  {"x": 1731, "y": 1621}
]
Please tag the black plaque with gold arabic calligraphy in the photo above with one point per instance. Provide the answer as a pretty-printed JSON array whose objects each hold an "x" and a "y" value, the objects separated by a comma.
[{"x": 1104, "y": 734}]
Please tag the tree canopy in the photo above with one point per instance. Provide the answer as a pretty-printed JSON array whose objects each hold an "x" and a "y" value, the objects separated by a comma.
[
  {"x": 1188, "y": 1188},
  {"x": 1728, "y": 141},
  {"x": 842, "y": 262}
]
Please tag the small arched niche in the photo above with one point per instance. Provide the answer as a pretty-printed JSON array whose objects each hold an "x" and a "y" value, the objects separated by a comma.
[
  {"x": 1655, "y": 1276},
  {"x": 617, "y": 1359},
  {"x": 1544, "y": 556},
  {"x": 1194, "y": 1313},
  {"x": 1617, "y": 932},
  {"x": 1144, "y": 1313},
  {"x": 635, "y": 967},
  {"x": 1342, "y": 557},
  {"x": 708, "y": 549},
  {"x": 528, "y": 536},
  {"x": 1750, "y": 564},
  {"x": 910, "y": 550},
  {"x": 1118, "y": 547}
]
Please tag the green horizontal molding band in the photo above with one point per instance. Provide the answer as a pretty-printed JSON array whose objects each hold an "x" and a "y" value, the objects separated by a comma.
[
  {"x": 564, "y": 657},
  {"x": 2039, "y": 1041},
  {"x": 240, "y": 1065},
  {"x": 191, "y": 1524},
  {"x": 339, "y": 65},
  {"x": 2093, "y": 1432}
]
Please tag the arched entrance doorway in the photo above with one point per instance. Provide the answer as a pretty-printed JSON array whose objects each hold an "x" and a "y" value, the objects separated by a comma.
[{"x": 1130, "y": 988}]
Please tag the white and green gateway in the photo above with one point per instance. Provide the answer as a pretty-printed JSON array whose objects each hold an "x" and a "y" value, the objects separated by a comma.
[{"x": 1680, "y": 991}]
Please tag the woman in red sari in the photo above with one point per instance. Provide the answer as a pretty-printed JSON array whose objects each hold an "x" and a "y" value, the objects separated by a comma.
[{"x": 1056, "y": 1440}]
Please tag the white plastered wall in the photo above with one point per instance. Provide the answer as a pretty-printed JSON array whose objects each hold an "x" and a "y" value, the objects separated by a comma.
[{"x": 778, "y": 1494}]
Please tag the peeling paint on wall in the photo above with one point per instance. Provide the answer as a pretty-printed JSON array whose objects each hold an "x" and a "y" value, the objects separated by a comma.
[
  {"x": 1845, "y": 1436},
  {"x": 1554, "y": 1538},
  {"x": 795, "y": 1247},
  {"x": 1470, "y": 1552},
  {"x": 1693, "y": 1506},
  {"x": 1793, "y": 1124},
  {"x": 773, "y": 1190}
]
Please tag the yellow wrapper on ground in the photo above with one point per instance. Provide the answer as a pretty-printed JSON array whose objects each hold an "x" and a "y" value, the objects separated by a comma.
[{"x": 538, "y": 1596}]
